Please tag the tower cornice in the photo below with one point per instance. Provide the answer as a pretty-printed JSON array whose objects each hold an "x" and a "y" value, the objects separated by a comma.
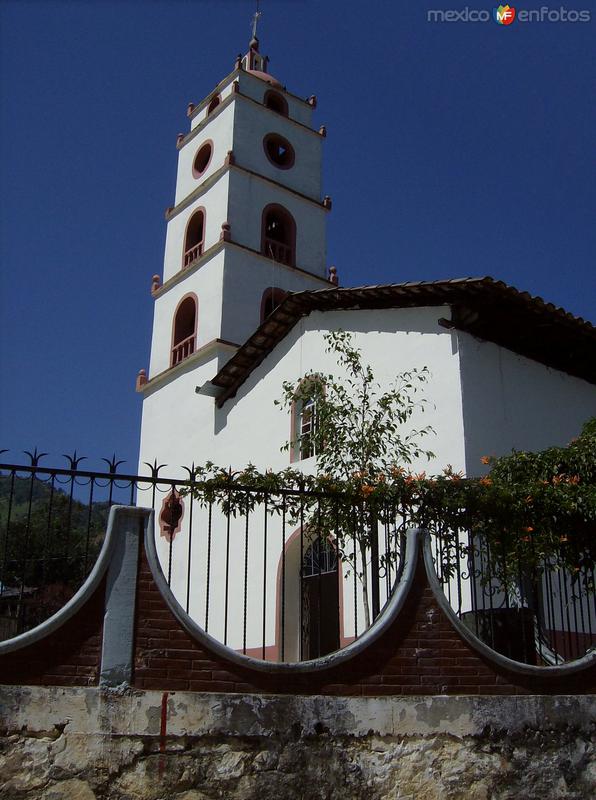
[
  {"x": 230, "y": 78},
  {"x": 182, "y": 274},
  {"x": 225, "y": 103},
  {"x": 219, "y": 173},
  {"x": 204, "y": 353}
]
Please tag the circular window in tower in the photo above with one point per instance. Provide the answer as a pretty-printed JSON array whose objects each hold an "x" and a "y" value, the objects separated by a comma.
[
  {"x": 202, "y": 159},
  {"x": 279, "y": 151}
]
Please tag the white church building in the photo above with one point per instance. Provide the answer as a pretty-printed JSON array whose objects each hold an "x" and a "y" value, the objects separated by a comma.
[{"x": 247, "y": 297}]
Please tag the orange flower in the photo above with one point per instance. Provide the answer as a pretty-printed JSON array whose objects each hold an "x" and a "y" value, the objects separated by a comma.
[
  {"x": 420, "y": 477},
  {"x": 456, "y": 476},
  {"x": 485, "y": 459},
  {"x": 573, "y": 479},
  {"x": 528, "y": 529},
  {"x": 485, "y": 481},
  {"x": 366, "y": 489}
]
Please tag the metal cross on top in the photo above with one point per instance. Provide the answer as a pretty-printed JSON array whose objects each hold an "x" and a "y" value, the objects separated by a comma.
[{"x": 255, "y": 21}]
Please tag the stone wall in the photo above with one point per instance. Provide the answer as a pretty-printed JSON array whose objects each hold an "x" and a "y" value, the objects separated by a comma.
[{"x": 84, "y": 743}]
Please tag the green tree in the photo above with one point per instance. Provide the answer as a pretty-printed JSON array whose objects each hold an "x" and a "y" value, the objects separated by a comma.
[{"x": 360, "y": 433}]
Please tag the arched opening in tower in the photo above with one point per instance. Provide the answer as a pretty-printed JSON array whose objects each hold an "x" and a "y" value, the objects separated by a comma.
[
  {"x": 193, "y": 243},
  {"x": 185, "y": 326},
  {"x": 276, "y": 102},
  {"x": 279, "y": 235}
]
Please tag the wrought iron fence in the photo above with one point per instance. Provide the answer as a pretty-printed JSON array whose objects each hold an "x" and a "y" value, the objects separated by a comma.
[
  {"x": 282, "y": 575},
  {"x": 263, "y": 571},
  {"x": 544, "y": 616}
]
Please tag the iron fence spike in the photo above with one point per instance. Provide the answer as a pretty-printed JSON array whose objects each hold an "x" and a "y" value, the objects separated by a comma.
[{"x": 34, "y": 456}]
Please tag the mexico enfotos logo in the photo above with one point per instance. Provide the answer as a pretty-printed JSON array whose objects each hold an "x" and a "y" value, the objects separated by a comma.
[{"x": 506, "y": 15}]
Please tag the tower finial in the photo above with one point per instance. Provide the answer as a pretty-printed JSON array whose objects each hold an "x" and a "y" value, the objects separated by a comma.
[{"x": 254, "y": 42}]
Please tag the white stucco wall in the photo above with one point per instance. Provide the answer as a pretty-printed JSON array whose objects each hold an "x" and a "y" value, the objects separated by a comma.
[
  {"x": 215, "y": 203},
  {"x": 391, "y": 340},
  {"x": 224, "y": 89},
  {"x": 246, "y": 277},
  {"x": 512, "y": 402},
  {"x": 206, "y": 282},
  {"x": 256, "y": 88},
  {"x": 252, "y": 123},
  {"x": 248, "y": 197},
  {"x": 251, "y": 429},
  {"x": 217, "y": 129}
]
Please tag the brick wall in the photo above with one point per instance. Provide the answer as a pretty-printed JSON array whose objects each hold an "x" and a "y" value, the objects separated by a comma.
[
  {"x": 421, "y": 654},
  {"x": 70, "y": 656}
]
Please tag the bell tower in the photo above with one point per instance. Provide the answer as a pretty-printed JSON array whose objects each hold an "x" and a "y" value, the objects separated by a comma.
[{"x": 247, "y": 226}]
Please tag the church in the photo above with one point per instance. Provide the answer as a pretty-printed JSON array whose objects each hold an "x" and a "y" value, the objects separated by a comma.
[{"x": 247, "y": 297}]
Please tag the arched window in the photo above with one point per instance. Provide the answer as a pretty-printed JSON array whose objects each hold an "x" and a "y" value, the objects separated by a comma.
[
  {"x": 193, "y": 241},
  {"x": 278, "y": 239},
  {"x": 272, "y": 297},
  {"x": 304, "y": 418},
  {"x": 276, "y": 102},
  {"x": 185, "y": 329},
  {"x": 213, "y": 104}
]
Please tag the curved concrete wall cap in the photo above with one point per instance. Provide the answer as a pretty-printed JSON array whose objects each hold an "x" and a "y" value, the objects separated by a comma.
[
  {"x": 119, "y": 557},
  {"x": 379, "y": 627},
  {"x": 492, "y": 655}
]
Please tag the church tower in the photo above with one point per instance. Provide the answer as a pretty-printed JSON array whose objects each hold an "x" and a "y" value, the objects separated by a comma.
[{"x": 247, "y": 226}]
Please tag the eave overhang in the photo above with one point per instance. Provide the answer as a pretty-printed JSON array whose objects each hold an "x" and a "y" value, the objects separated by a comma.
[{"x": 483, "y": 307}]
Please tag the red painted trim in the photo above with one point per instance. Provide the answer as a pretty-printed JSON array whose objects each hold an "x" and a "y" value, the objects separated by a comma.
[
  {"x": 166, "y": 530},
  {"x": 276, "y": 97},
  {"x": 276, "y": 138},
  {"x": 226, "y": 232},
  {"x": 295, "y": 448},
  {"x": 199, "y": 244},
  {"x": 141, "y": 380},
  {"x": 278, "y": 296},
  {"x": 198, "y": 173},
  {"x": 290, "y": 260},
  {"x": 174, "y": 344},
  {"x": 163, "y": 728}
]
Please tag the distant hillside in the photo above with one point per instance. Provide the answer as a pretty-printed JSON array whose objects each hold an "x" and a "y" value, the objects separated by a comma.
[{"x": 46, "y": 536}]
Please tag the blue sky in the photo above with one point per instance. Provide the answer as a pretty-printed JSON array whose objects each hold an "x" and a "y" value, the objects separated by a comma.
[{"x": 453, "y": 149}]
